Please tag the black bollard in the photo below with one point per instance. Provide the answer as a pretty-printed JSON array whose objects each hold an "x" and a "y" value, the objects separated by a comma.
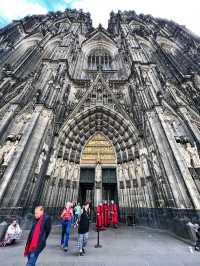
[{"x": 98, "y": 245}]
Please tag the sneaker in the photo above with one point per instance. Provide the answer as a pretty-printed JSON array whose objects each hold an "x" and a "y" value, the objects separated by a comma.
[
  {"x": 81, "y": 254},
  {"x": 65, "y": 249}
]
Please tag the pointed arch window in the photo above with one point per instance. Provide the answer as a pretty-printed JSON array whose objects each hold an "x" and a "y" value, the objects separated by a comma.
[{"x": 99, "y": 58}]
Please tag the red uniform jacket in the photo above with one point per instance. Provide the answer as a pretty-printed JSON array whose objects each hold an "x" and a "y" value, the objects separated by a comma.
[
  {"x": 114, "y": 213},
  {"x": 106, "y": 214},
  {"x": 99, "y": 218}
]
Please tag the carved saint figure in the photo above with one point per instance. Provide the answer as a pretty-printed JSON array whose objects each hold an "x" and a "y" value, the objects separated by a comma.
[
  {"x": 125, "y": 171},
  {"x": 2, "y": 153},
  {"x": 98, "y": 172},
  {"x": 194, "y": 156},
  {"x": 51, "y": 166},
  {"x": 9, "y": 149},
  {"x": 138, "y": 169},
  {"x": 143, "y": 156},
  {"x": 41, "y": 160},
  {"x": 185, "y": 154},
  {"x": 156, "y": 165}
]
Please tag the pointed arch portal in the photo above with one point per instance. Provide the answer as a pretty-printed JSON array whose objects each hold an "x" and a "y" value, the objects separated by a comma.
[
  {"x": 97, "y": 140},
  {"x": 98, "y": 179}
]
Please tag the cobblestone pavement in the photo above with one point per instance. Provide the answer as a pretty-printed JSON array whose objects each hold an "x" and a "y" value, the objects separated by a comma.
[{"x": 125, "y": 246}]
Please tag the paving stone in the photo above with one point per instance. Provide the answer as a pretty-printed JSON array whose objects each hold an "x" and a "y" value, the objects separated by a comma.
[{"x": 124, "y": 246}]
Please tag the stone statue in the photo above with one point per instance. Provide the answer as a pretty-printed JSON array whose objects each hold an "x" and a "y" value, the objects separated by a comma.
[
  {"x": 177, "y": 128},
  {"x": 194, "y": 156},
  {"x": 51, "y": 166},
  {"x": 131, "y": 169},
  {"x": 143, "y": 157},
  {"x": 62, "y": 169},
  {"x": 196, "y": 80},
  {"x": 156, "y": 165},
  {"x": 98, "y": 158},
  {"x": 138, "y": 169},
  {"x": 120, "y": 171},
  {"x": 41, "y": 160},
  {"x": 185, "y": 154},
  {"x": 9, "y": 149},
  {"x": 2, "y": 154},
  {"x": 76, "y": 172},
  {"x": 98, "y": 172},
  {"x": 98, "y": 184},
  {"x": 71, "y": 170},
  {"x": 125, "y": 171},
  {"x": 57, "y": 168}
]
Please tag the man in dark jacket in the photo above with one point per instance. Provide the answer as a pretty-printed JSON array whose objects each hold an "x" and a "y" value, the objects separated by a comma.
[
  {"x": 38, "y": 235},
  {"x": 83, "y": 229}
]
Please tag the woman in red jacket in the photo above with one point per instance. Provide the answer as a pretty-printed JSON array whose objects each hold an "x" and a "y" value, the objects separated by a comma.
[{"x": 66, "y": 221}]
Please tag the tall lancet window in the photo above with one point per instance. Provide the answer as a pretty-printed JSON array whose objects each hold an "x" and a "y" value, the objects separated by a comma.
[{"x": 99, "y": 58}]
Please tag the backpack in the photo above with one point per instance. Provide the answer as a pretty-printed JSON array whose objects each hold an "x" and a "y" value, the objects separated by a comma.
[{"x": 67, "y": 214}]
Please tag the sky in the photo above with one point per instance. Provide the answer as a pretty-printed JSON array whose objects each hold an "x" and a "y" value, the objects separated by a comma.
[{"x": 184, "y": 12}]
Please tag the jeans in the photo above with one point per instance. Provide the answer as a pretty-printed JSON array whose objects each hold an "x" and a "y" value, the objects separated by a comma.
[
  {"x": 82, "y": 241},
  {"x": 65, "y": 233},
  {"x": 32, "y": 258},
  {"x": 76, "y": 218}
]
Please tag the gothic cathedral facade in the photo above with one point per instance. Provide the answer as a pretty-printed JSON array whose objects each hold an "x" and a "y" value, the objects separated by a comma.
[{"x": 96, "y": 114}]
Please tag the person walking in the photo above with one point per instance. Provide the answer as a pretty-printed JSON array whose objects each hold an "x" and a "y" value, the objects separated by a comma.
[
  {"x": 83, "y": 229},
  {"x": 66, "y": 220},
  {"x": 77, "y": 214},
  {"x": 38, "y": 235}
]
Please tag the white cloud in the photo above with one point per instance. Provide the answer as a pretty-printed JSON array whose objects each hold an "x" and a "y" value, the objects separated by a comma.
[
  {"x": 14, "y": 9},
  {"x": 61, "y": 8},
  {"x": 183, "y": 12}
]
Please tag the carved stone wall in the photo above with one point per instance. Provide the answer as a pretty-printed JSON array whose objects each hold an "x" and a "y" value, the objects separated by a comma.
[{"x": 135, "y": 85}]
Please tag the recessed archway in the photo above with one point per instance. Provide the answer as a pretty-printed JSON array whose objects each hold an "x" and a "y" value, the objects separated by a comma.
[
  {"x": 98, "y": 149},
  {"x": 98, "y": 158}
]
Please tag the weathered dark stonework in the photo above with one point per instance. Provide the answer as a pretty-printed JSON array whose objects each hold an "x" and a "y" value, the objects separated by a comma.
[{"x": 137, "y": 83}]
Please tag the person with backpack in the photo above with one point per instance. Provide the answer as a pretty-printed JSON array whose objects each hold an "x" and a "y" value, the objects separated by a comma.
[
  {"x": 83, "y": 229},
  {"x": 66, "y": 220}
]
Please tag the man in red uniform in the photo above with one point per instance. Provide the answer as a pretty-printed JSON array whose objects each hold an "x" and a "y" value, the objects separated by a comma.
[
  {"x": 114, "y": 213},
  {"x": 108, "y": 220},
  {"x": 102, "y": 217},
  {"x": 98, "y": 218},
  {"x": 106, "y": 214}
]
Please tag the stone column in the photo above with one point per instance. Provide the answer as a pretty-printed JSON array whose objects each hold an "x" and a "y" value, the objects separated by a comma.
[
  {"x": 183, "y": 110},
  {"x": 186, "y": 176},
  {"x": 7, "y": 118},
  {"x": 18, "y": 154},
  {"x": 98, "y": 185},
  {"x": 182, "y": 186}
]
